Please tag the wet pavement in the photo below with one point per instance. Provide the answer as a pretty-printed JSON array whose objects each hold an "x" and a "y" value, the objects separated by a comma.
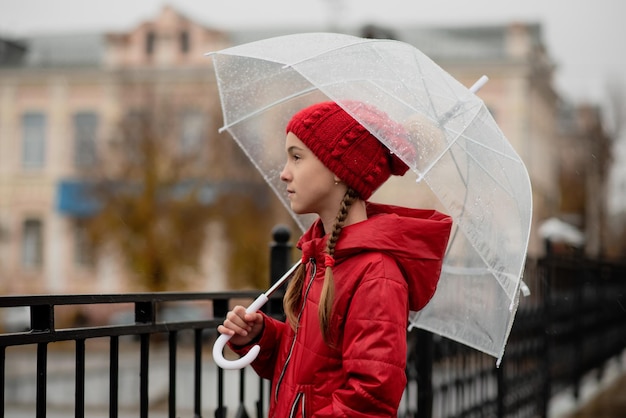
[
  {"x": 600, "y": 396},
  {"x": 607, "y": 403}
]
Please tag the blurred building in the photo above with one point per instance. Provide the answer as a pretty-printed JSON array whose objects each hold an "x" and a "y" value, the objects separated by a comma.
[
  {"x": 519, "y": 94},
  {"x": 60, "y": 96},
  {"x": 617, "y": 194},
  {"x": 587, "y": 157},
  {"x": 61, "y": 101}
]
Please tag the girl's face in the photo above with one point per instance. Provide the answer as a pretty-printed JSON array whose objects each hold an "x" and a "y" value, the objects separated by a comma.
[{"x": 311, "y": 187}]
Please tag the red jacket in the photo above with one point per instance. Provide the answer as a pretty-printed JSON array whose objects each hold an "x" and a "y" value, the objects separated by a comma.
[{"x": 384, "y": 266}]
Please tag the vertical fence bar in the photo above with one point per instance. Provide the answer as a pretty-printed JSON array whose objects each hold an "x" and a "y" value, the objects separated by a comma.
[
  {"x": 42, "y": 320},
  {"x": 547, "y": 273},
  {"x": 172, "y": 370},
  {"x": 259, "y": 402},
  {"x": 79, "y": 402},
  {"x": 280, "y": 261},
  {"x": 114, "y": 365},
  {"x": 145, "y": 312},
  {"x": 220, "y": 309},
  {"x": 197, "y": 401},
  {"x": 143, "y": 375},
  {"x": 425, "y": 357},
  {"x": 501, "y": 382},
  {"x": 221, "y": 409},
  {"x": 42, "y": 371},
  {"x": 241, "y": 411},
  {"x": 3, "y": 357},
  {"x": 578, "y": 313}
]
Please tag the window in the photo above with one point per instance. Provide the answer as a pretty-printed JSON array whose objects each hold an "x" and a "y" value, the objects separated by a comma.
[
  {"x": 150, "y": 40},
  {"x": 85, "y": 129},
  {"x": 184, "y": 42},
  {"x": 192, "y": 131},
  {"x": 83, "y": 248},
  {"x": 33, "y": 140},
  {"x": 32, "y": 243}
]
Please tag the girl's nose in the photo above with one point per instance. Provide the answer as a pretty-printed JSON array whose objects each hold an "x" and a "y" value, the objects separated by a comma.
[{"x": 284, "y": 174}]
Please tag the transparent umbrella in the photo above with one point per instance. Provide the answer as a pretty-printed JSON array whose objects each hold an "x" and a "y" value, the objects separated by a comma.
[{"x": 449, "y": 140}]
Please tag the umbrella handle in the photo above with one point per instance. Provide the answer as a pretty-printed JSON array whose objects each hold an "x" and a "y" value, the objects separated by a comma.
[{"x": 242, "y": 362}]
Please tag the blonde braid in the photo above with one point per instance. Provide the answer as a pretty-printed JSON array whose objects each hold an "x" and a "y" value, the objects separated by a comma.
[
  {"x": 293, "y": 294},
  {"x": 328, "y": 290}
]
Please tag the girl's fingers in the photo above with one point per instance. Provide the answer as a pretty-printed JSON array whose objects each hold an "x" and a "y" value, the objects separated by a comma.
[
  {"x": 223, "y": 330},
  {"x": 238, "y": 322},
  {"x": 234, "y": 327},
  {"x": 235, "y": 321},
  {"x": 252, "y": 318}
]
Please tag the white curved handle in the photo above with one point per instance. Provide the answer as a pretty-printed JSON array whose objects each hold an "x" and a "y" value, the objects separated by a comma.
[{"x": 242, "y": 362}]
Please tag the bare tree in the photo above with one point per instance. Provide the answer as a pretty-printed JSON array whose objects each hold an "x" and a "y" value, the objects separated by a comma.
[
  {"x": 154, "y": 196},
  {"x": 162, "y": 180}
]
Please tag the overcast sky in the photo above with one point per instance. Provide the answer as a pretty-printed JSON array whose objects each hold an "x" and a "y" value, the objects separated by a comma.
[{"x": 585, "y": 38}]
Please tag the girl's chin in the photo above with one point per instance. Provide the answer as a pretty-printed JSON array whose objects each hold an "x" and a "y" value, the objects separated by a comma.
[{"x": 298, "y": 210}]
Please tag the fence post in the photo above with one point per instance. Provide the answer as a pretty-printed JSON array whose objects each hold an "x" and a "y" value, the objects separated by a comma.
[
  {"x": 2, "y": 378},
  {"x": 425, "y": 359},
  {"x": 548, "y": 275},
  {"x": 280, "y": 261},
  {"x": 501, "y": 398},
  {"x": 578, "y": 313}
]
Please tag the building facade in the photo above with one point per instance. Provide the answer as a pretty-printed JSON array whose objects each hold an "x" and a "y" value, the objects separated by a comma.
[
  {"x": 62, "y": 97},
  {"x": 61, "y": 102}
]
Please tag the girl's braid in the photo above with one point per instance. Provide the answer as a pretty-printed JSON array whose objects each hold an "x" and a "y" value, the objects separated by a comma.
[{"x": 328, "y": 290}]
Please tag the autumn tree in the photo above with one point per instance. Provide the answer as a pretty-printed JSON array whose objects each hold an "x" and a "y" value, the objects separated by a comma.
[
  {"x": 162, "y": 179},
  {"x": 153, "y": 195}
]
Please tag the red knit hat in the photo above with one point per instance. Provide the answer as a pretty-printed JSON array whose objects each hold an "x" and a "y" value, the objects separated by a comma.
[{"x": 343, "y": 145}]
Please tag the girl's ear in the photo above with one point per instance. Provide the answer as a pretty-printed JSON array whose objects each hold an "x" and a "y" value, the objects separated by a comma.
[{"x": 337, "y": 180}]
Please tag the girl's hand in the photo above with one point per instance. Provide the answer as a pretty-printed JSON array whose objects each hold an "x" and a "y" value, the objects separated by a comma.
[{"x": 242, "y": 327}]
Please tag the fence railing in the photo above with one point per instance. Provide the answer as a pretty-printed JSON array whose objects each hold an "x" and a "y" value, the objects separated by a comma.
[{"x": 574, "y": 322}]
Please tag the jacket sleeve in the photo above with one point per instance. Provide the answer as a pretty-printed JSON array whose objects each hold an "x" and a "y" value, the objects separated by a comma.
[
  {"x": 374, "y": 348},
  {"x": 269, "y": 342}
]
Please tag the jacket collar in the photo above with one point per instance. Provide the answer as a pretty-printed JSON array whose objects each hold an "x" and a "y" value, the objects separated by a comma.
[{"x": 416, "y": 238}]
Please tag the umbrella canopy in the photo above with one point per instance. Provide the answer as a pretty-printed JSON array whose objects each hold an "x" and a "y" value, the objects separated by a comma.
[{"x": 450, "y": 141}]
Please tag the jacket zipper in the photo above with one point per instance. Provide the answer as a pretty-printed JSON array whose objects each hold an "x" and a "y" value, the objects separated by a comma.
[
  {"x": 294, "y": 407},
  {"x": 293, "y": 341}
]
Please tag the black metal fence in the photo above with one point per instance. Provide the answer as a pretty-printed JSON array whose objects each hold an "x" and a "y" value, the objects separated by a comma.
[
  {"x": 573, "y": 322},
  {"x": 146, "y": 325}
]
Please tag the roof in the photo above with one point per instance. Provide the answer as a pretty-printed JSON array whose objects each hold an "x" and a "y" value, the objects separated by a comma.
[
  {"x": 81, "y": 49},
  {"x": 11, "y": 52},
  {"x": 439, "y": 43}
]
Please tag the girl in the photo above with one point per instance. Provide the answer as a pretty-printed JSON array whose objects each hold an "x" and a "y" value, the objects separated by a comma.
[{"x": 342, "y": 350}]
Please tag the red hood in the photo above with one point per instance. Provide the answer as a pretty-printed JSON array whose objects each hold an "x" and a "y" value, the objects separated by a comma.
[{"x": 416, "y": 238}]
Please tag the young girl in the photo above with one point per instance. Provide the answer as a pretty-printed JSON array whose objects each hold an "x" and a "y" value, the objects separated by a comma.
[{"x": 342, "y": 350}]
